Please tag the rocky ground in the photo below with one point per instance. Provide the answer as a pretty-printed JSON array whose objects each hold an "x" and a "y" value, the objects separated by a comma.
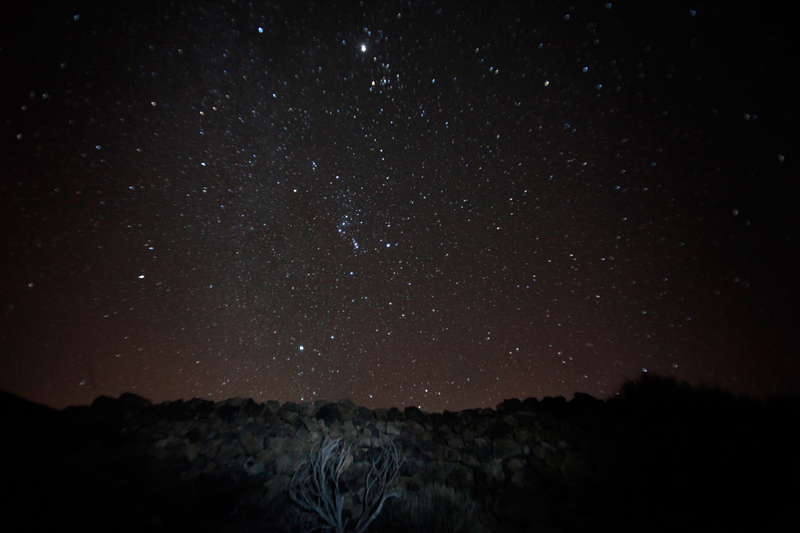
[{"x": 661, "y": 458}]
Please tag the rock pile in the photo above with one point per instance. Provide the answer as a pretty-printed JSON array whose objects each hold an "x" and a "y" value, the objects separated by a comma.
[{"x": 550, "y": 465}]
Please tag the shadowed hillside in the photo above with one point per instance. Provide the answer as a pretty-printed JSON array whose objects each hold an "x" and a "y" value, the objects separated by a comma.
[{"x": 659, "y": 456}]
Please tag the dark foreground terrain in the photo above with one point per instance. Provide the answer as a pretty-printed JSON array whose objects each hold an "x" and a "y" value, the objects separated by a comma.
[{"x": 660, "y": 457}]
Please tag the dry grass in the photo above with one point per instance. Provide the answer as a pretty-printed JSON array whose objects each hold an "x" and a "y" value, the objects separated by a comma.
[{"x": 433, "y": 509}]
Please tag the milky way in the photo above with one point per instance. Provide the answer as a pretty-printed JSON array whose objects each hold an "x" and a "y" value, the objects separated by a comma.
[{"x": 441, "y": 204}]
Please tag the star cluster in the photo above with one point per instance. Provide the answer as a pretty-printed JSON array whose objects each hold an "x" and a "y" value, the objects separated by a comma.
[{"x": 441, "y": 204}]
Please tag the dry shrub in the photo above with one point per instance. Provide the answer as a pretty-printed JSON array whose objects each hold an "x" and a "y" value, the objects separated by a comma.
[{"x": 433, "y": 509}]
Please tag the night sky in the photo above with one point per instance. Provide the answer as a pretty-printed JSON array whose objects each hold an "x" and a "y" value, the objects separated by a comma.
[{"x": 440, "y": 204}]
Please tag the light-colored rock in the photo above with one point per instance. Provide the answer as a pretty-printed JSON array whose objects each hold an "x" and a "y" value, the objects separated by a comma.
[
  {"x": 461, "y": 478},
  {"x": 276, "y": 486},
  {"x": 252, "y": 442},
  {"x": 253, "y": 467},
  {"x": 303, "y": 434},
  {"x": 191, "y": 451},
  {"x": 312, "y": 425},
  {"x": 288, "y": 415},
  {"x": 211, "y": 447},
  {"x": 393, "y": 429},
  {"x": 483, "y": 442},
  {"x": 229, "y": 452},
  {"x": 494, "y": 472},
  {"x": 294, "y": 445},
  {"x": 455, "y": 441},
  {"x": 286, "y": 464},
  {"x": 470, "y": 460},
  {"x": 347, "y": 409},
  {"x": 514, "y": 465},
  {"x": 511, "y": 420},
  {"x": 276, "y": 444},
  {"x": 505, "y": 448},
  {"x": 308, "y": 410},
  {"x": 468, "y": 434}
]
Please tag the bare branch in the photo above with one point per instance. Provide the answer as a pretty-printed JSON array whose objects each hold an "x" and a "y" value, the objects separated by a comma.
[
  {"x": 315, "y": 484},
  {"x": 381, "y": 475}
]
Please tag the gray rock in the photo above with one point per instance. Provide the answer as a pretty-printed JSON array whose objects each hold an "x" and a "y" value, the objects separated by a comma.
[
  {"x": 515, "y": 465},
  {"x": 286, "y": 464},
  {"x": 470, "y": 460},
  {"x": 461, "y": 478},
  {"x": 302, "y": 433},
  {"x": 308, "y": 410},
  {"x": 292, "y": 406},
  {"x": 288, "y": 415},
  {"x": 294, "y": 445},
  {"x": 252, "y": 441},
  {"x": 191, "y": 451},
  {"x": 483, "y": 442},
  {"x": 229, "y": 452},
  {"x": 276, "y": 444},
  {"x": 328, "y": 413},
  {"x": 494, "y": 472},
  {"x": 511, "y": 420},
  {"x": 519, "y": 479},
  {"x": 411, "y": 430},
  {"x": 347, "y": 409},
  {"x": 313, "y": 426},
  {"x": 357, "y": 473},
  {"x": 453, "y": 455},
  {"x": 506, "y": 448},
  {"x": 455, "y": 441},
  {"x": 276, "y": 486},
  {"x": 394, "y": 415},
  {"x": 253, "y": 467},
  {"x": 413, "y": 413}
]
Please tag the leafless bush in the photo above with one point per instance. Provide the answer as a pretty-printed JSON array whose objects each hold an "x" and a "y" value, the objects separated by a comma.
[{"x": 315, "y": 486}]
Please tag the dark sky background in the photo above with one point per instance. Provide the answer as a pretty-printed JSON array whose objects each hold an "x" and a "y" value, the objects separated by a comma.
[{"x": 441, "y": 204}]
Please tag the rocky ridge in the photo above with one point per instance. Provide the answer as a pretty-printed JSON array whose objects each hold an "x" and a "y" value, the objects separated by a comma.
[{"x": 550, "y": 465}]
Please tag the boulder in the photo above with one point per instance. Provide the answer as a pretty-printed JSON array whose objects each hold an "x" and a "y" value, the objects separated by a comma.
[
  {"x": 347, "y": 410},
  {"x": 328, "y": 413},
  {"x": 506, "y": 448},
  {"x": 252, "y": 441},
  {"x": 461, "y": 478}
]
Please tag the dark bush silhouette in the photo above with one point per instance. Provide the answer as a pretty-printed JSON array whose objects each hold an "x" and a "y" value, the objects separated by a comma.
[{"x": 706, "y": 455}]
